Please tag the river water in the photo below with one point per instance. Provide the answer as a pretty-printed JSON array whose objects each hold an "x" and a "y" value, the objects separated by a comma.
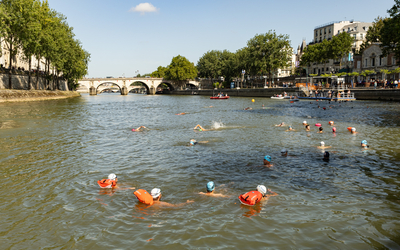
[{"x": 53, "y": 152}]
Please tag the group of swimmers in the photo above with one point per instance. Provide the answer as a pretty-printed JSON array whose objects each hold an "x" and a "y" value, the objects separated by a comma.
[{"x": 250, "y": 198}]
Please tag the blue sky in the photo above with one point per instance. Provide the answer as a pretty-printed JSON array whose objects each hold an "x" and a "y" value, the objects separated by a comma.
[{"x": 122, "y": 41}]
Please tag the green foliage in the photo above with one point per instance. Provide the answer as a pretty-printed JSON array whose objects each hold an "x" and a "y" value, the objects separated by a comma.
[
  {"x": 373, "y": 33},
  {"x": 390, "y": 32},
  {"x": 268, "y": 52},
  {"x": 159, "y": 73},
  {"x": 367, "y": 72},
  {"x": 340, "y": 46},
  {"x": 180, "y": 70},
  {"x": 37, "y": 30},
  {"x": 353, "y": 74},
  {"x": 313, "y": 75},
  {"x": 215, "y": 63},
  {"x": 395, "y": 71}
]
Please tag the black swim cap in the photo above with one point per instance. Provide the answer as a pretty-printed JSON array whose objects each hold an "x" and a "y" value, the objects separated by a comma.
[{"x": 326, "y": 154}]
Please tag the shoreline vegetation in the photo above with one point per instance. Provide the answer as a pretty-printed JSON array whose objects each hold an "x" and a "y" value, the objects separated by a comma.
[{"x": 7, "y": 95}]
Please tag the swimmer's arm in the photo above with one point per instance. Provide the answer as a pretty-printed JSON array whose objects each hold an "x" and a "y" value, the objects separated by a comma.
[
  {"x": 202, "y": 142},
  {"x": 220, "y": 195},
  {"x": 198, "y": 126}
]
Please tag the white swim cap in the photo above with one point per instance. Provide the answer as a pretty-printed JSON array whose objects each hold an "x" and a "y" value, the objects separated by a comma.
[
  {"x": 112, "y": 177},
  {"x": 322, "y": 143},
  {"x": 262, "y": 189},
  {"x": 155, "y": 192},
  {"x": 305, "y": 122},
  {"x": 284, "y": 150},
  {"x": 353, "y": 129}
]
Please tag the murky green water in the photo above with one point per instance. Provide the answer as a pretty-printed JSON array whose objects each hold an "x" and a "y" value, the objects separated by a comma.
[{"x": 53, "y": 152}]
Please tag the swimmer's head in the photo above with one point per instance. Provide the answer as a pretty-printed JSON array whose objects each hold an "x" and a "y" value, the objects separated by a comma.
[
  {"x": 305, "y": 123},
  {"x": 192, "y": 142},
  {"x": 133, "y": 130},
  {"x": 326, "y": 155},
  {"x": 267, "y": 158},
  {"x": 290, "y": 127},
  {"x": 155, "y": 193},
  {"x": 112, "y": 177},
  {"x": 322, "y": 144},
  {"x": 330, "y": 122},
  {"x": 320, "y": 129},
  {"x": 284, "y": 151},
  {"x": 333, "y": 129},
  {"x": 353, "y": 129},
  {"x": 262, "y": 189},
  {"x": 364, "y": 142},
  {"x": 210, "y": 186}
]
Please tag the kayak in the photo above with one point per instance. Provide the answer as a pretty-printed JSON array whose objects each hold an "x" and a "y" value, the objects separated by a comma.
[{"x": 216, "y": 97}]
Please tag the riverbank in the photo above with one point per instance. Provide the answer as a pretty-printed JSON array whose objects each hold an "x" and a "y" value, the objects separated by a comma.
[
  {"x": 359, "y": 93},
  {"x": 7, "y": 95}
]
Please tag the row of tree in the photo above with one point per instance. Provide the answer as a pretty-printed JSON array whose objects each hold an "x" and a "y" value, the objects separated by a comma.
[
  {"x": 263, "y": 55},
  {"x": 34, "y": 29}
]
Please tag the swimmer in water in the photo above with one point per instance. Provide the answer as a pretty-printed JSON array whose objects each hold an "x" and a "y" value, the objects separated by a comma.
[
  {"x": 181, "y": 114},
  {"x": 331, "y": 123},
  {"x": 320, "y": 130},
  {"x": 322, "y": 145},
  {"x": 248, "y": 108},
  {"x": 281, "y": 125},
  {"x": 333, "y": 130},
  {"x": 305, "y": 123},
  {"x": 290, "y": 129},
  {"x": 156, "y": 194},
  {"x": 364, "y": 144},
  {"x": 193, "y": 142},
  {"x": 284, "y": 152},
  {"x": 353, "y": 131},
  {"x": 200, "y": 128},
  {"x": 267, "y": 161},
  {"x": 111, "y": 182},
  {"x": 307, "y": 127},
  {"x": 210, "y": 190},
  {"x": 263, "y": 191},
  {"x": 326, "y": 156},
  {"x": 138, "y": 129}
]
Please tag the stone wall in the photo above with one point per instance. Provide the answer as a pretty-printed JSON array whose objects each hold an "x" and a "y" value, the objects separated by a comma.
[
  {"x": 377, "y": 94},
  {"x": 21, "y": 82},
  {"x": 267, "y": 92}
]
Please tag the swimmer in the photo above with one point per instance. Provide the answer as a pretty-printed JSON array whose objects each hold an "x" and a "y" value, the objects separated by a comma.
[
  {"x": 248, "y": 108},
  {"x": 364, "y": 144},
  {"x": 181, "y": 114},
  {"x": 320, "y": 130},
  {"x": 193, "y": 142},
  {"x": 253, "y": 197},
  {"x": 284, "y": 152},
  {"x": 353, "y": 131},
  {"x": 110, "y": 182},
  {"x": 326, "y": 156},
  {"x": 200, "y": 128},
  {"x": 331, "y": 123},
  {"x": 290, "y": 129},
  {"x": 281, "y": 125},
  {"x": 333, "y": 130},
  {"x": 267, "y": 161},
  {"x": 138, "y": 129},
  {"x": 156, "y": 194},
  {"x": 210, "y": 190},
  {"x": 322, "y": 145},
  {"x": 305, "y": 123},
  {"x": 307, "y": 127}
]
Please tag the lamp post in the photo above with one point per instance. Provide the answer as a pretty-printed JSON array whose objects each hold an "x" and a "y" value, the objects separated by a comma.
[{"x": 243, "y": 72}]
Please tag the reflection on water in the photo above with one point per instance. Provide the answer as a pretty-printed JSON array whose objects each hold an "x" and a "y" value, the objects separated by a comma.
[{"x": 52, "y": 154}]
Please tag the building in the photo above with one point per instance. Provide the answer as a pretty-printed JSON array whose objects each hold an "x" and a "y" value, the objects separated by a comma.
[
  {"x": 357, "y": 30},
  {"x": 372, "y": 59}
]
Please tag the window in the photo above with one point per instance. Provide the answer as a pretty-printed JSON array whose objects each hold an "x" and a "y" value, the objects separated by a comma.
[
  {"x": 329, "y": 30},
  {"x": 362, "y": 36},
  {"x": 322, "y": 70},
  {"x": 364, "y": 28},
  {"x": 366, "y": 63},
  {"x": 338, "y": 31},
  {"x": 343, "y": 30},
  {"x": 320, "y": 32},
  {"x": 358, "y": 64},
  {"x": 354, "y": 36},
  {"x": 348, "y": 29},
  {"x": 380, "y": 61},
  {"x": 316, "y": 33},
  {"x": 372, "y": 62},
  {"x": 324, "y": 37},
  {"x": 355, "y": 28},
  {"x": 393, "y": 61},
  {"x": 325, "y": 31}
]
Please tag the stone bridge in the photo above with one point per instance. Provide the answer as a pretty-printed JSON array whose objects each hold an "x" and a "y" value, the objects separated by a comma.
[{"x": 125, "y": 85}]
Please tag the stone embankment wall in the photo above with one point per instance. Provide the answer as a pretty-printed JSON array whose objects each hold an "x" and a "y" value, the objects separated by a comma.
[
  {"x": 21, "y": 82},
  {"x": 360, "y": 94},
  {"x": 267, "y": 92}
]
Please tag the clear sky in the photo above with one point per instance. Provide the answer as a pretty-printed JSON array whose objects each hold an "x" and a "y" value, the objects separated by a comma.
[{"x": 126, "y": 36}]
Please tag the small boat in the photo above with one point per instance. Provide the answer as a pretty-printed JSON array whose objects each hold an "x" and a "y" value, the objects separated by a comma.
[
  {"x": 277, "y": 97},
  {"x": 217, "y": 97}
]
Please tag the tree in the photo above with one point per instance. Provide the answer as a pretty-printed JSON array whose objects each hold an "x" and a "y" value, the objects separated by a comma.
[
  {"x": 180, "y": 70},
  {"x": 269, "y": 52},
  {"x": 340, "y": 46},
  {"x": 390, "y": 32},
  {"x": 159, "y": 73},
  {"x": 373, "y": 34}
]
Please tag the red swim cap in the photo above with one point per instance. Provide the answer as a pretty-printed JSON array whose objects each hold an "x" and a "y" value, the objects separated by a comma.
[{"x": 333, "y": 129}]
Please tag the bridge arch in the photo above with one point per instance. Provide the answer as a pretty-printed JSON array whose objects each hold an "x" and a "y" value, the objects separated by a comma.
[
  {"x": 165, "y": 86},
  {"x": 111, "y": 84},
  {"x": 134, "y": 84}
]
